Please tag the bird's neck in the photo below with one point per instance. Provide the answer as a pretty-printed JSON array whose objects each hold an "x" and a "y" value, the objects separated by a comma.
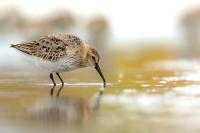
[{"x": 84, "y": 51}]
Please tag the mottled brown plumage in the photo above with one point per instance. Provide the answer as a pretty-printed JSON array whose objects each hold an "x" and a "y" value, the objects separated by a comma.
[{"x": 51, "y": 47}]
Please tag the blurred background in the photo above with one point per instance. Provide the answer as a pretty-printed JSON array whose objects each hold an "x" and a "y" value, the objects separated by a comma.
[
  {"x": 150, "y": 52},
  {"x": 106, "y": 25}
]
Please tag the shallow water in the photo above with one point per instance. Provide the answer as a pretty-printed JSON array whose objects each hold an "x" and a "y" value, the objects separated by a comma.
[{"x": 147, "y": 93}]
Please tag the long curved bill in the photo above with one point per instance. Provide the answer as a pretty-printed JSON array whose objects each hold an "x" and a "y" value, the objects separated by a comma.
[{"x": 100, "y": 73}]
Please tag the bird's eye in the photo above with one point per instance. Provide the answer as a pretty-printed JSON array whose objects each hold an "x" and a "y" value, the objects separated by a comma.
[{"x": 93, "y": 57}]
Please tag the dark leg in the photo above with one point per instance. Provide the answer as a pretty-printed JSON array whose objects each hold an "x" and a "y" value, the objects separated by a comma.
[
  {"x": 61, "y": 85},
  {"x": 54, "y": 84}
]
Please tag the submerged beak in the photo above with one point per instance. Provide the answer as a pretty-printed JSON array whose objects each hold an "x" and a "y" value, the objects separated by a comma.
[{"x": 100, "y": 73}]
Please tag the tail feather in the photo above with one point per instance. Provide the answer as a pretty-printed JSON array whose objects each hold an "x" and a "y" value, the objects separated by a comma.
[
  {"x": 22, "y": 47},
  {"x": 13, "y": 45}
]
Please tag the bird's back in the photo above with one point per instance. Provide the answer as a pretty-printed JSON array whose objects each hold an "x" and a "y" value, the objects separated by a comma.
[{"x": 52, "y": 47}]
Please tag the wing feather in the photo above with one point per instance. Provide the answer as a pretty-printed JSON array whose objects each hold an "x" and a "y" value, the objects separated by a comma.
[{"x": 52, "y": 47}]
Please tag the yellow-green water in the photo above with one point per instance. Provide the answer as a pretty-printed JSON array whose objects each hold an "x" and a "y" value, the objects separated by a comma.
[{"x": 148, "y": 92}]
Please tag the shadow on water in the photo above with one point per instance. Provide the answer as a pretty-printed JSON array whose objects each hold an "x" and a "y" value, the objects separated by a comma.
[{"x": 64, "y": 110}]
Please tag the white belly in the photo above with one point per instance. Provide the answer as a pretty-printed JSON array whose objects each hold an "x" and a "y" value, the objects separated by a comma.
[{"x": 64, "y": 64}]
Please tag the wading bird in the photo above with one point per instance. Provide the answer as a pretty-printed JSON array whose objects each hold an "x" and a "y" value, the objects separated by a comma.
[{"x": 61, "y": 52}]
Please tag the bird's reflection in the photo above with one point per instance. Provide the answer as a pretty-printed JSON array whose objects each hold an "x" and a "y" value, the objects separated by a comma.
[{"x": 65, "y": 110}]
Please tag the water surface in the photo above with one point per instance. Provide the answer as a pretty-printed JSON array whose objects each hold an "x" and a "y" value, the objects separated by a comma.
[{"x": 149, "y": 92}]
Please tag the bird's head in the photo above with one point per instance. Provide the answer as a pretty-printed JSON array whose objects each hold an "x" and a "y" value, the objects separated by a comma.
[
  {"x": 92, "y": 56},
  {"x": 92, "y": 59}
]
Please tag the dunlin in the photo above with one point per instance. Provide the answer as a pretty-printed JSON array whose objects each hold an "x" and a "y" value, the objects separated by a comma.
[{"x": 61, "y": 52}]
